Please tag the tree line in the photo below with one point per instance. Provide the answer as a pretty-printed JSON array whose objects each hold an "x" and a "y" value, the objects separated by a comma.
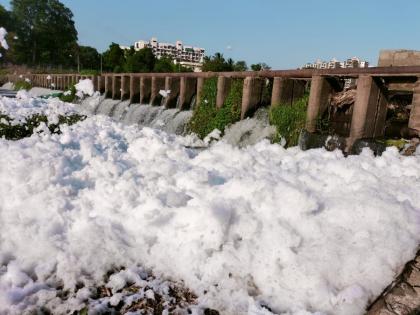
[{"x": 42, "y": 34}]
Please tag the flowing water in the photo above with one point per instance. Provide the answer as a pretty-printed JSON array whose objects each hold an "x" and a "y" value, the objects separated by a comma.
[
  {"x": 168, "y": 120},
  {"x": 242, "y": 133}
]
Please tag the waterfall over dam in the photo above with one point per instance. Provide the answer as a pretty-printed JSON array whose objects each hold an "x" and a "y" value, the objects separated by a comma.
[
  {"x": 245, "y": 132},
  {"x": 169, "y": 120}
]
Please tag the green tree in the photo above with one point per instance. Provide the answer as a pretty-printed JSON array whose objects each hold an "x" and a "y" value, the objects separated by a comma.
[
  {"x": 5, "y": 19},
  {"x": 89, "y": 58},
  {"x": 260, "y": 66},
  {"x": 217, "y": 63},
  {"x": 113, "y": 58},
  {"x": 164, "y": 64},
  {"x": 45, "y": 30},
  {"x": 140, "y": 61},
  {"x": 240, "y": 66}
]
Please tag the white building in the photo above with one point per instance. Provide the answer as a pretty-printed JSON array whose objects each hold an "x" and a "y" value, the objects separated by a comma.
[
  {"x": 353, "y": 62},
  {"x": 187, "y": 56}
]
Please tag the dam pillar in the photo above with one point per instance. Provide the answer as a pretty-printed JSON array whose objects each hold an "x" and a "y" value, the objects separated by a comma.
[
  {"x": 157, "y": 85},
  {"x": 134, "y": 89},
  {"x": 172, "y": 85},
  {"x": 70, "y": 80},
  {"x": 145, "y": 90},
  {"x": 116, "y": 87},
  {"x": 286, "y": 91},
  {"x": 200, "y": 84},
  {"x": 251, "y": 95},
  {"x": 125, "y": 87},
  {"x": 369, "y": 110},
  {"x": 319, "y": 96},
  {"x": 187, "y": 90},
  {"x": 414, "y": 120},
  {"x": 101, "y": 84},
  {"x": 108, "y": 86},
  {"x": 223, "y": 87},
  {"x": 94, "y": 79},
  {"x": 65, "y": 82}
]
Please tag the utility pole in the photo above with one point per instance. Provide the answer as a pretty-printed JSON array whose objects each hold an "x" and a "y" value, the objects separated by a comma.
[{"x": 101, "y": 63}]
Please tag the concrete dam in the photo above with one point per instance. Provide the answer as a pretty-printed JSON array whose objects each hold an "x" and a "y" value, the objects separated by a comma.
[{"x": 374, "y": 89}]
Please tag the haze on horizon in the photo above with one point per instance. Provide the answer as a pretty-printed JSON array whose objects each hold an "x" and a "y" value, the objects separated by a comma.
[{"x": 284, "y": 34}]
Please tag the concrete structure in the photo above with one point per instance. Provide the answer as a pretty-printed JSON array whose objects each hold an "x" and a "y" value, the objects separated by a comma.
[
  {"x": 353, "y": 62},
  {"x": 188, "y": 56},
  {"x": 369, "y": 111},
  {"x": 286, "y": 91},
  {"x": 393, "y": 58}
]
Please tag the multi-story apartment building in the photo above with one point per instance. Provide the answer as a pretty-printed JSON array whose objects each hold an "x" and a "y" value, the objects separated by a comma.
[
  {"x": 353, "y": 62},
  {"x": 184, "y": 55}
]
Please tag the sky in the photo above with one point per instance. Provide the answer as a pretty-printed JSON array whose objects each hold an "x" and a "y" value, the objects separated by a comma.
[{"x": 285, "y": 34}]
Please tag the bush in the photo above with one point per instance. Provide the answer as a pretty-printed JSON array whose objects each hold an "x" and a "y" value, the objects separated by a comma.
[
  {"x": 207, "y": 117},
  {"x": 26, "y": 129},
  {"x": 289, "y": 120},
  {"x": 23, "y": 85},
  {"x": 69, "y": 97}
]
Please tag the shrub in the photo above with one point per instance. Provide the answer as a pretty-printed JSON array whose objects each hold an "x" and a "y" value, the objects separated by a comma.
[
  {"x": 207, "y": 117},
  {"x": 26, "y": 129},
  {"x": 289, "y": 120},
  {"x": 70, "y": 95},
  {"x": 23, "y": 85}
]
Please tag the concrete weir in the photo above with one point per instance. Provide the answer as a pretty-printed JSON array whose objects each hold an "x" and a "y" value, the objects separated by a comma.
[
  {"x": 367, "y": 117},
  {"x": 158, "y": 84},
  {"x": 172, "y": 85},
  {"x": 369, "y": 110}
]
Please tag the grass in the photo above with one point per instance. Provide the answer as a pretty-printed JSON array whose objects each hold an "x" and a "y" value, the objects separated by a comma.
[
  {"x": 26, "y": 129},
  {"x": 206, "y": 117},
  {"x": 289, "y": 120}
]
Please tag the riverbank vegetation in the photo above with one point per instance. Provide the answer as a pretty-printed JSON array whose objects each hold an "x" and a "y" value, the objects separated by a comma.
[
  {"x": 206, "y": 117},
  {"x": 22, "y": 85},
  {"x": 289, "y": 120},
  {"x": 12, "y": 131}
]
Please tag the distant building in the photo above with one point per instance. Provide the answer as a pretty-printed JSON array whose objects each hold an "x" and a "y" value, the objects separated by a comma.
[
  {"x": 187, "y": 56},
  {"x": 353, "y": 62}
]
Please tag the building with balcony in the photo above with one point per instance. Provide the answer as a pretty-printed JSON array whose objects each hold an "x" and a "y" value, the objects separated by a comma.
[{"x": 184, "y": 55}]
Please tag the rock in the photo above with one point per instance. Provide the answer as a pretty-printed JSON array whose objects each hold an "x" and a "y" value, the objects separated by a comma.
[{"x": 403, "y": 296}]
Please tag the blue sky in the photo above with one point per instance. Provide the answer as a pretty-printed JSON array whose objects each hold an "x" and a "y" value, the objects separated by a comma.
[{"x": 283, "y": 33}]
